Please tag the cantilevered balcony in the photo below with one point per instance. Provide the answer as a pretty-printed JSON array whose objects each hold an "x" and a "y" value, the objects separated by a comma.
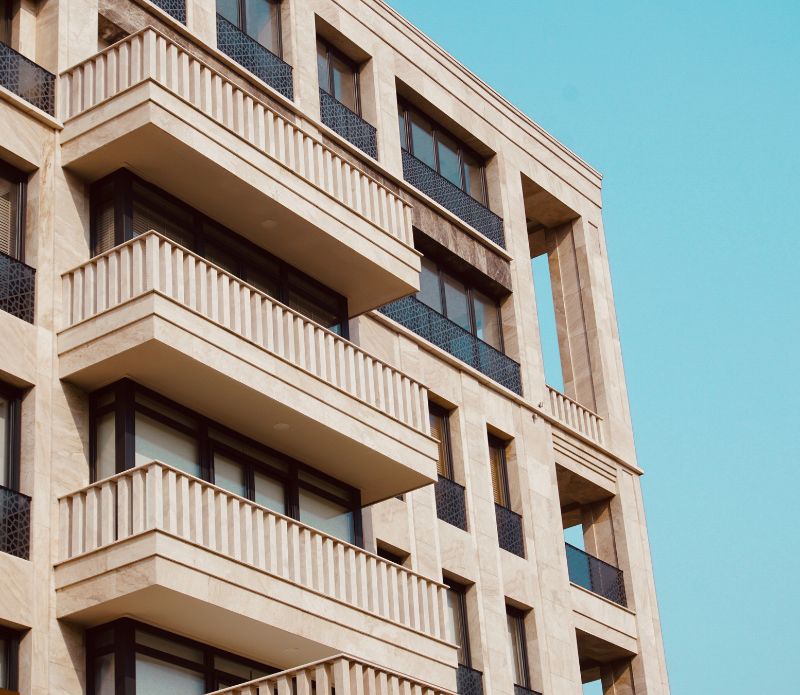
[
  {"x": 245, "y": 163},
  {"x": 452, "y": 198},
  {"x": 251, "y": 55},
  {"x": 165, "y": 547},
  {"x": 348, "y": 124},
  {"x": 595, "y": 575},
  {"x": 17, "y": 284},
  {"x": 15, "y": 523},
  {"x": 27, "y": 80},
  {"x": 575, "y": 416},
  {"x": 453, "y": 339},
  {"x": 165, "y": 317}
]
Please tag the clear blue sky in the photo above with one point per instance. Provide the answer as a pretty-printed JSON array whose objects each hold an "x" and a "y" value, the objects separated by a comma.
[{"x": 691, "y": 110}]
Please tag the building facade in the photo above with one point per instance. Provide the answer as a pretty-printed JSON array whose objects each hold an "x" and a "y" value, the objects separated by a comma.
[{"x": 272, "y": 397}]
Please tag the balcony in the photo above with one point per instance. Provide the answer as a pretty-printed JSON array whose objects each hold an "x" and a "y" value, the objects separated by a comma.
[
  {"x": 450, "y": 502},
  {"x": 509, "y": 530},
  {"x": 575, "y": 416},
  {"x": 194, "y": 133},
  {"x": 595, "y": 575},
  {"x": 453, "y": 339},
  {"x": 15, "y": 523},
  {"x": 174, "y": 8},
  {"x": 17, "y": 284},
  {"x": 165, "y": 317},
  {"x": 340, "y": 674},
  {"x": 348, "y": 124},
  {"x": 469, "y": 681},
  {"x": 27, "y": 80},
  {"x": 452, "y": 198},
  {"x": 165, "y": 547},
  {"x": 252, "y": 56}
]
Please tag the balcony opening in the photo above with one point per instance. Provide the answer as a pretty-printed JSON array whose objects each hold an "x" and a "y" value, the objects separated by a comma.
[
  {"x": 468, "y": 679},
  {"x": 589, "y": 536},
  {"x": 16, "y": 278},
  {"x": 516, "y": 620},
  {"x": 510, "y": 534},
  {"x": 605, "y": 667},
  {"x": 451, "y": 505},
  {"x": 15, "y": 507}
]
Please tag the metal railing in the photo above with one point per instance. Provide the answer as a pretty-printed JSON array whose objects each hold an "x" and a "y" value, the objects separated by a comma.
[
  {"x": 469, "y": 681},
  {"x": 15, "y": 523},
  {"x": 17, "y": 285},
  {"x": 595, "y": 575},
  {"x": 258, "y": 59},
  {"x": 175, "y": 8},
  {"x": 452, "y": 198},
  {"x": 452, "y": 338},
  {"x": 27, "y": 80},
  {"x": 522, "y": 690},
  {"x": 450, "y": 502},
  {"x": 348, "y": 124},
  {"x": 509, "y": 530}
]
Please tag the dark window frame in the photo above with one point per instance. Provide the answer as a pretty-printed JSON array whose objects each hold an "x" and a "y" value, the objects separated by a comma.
[
  {"x": 518, "y": 617},
  {"x": 6, "y": 22},
  {"x": 13, "y": 434},
  {"x": 20, "y": 178},
  {"x": 125, "y": 408},
  {"x": 332, "y": 51},
  {"x": 124, "y": 648},
  {"x": 438, "y": 411},
  {"x": 118, "y": 188},
  {"x": 501, "y": 445},
  {"x": 470, "y": 289},
  {"x": 406, "y": 109},
  {"x": 242, "y": 24},
  {"x": 461, "y": 590},
  {"x": 12, "y": 638}
]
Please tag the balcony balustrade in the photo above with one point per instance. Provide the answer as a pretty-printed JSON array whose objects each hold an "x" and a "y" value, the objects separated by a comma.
[
  {"x": 27, "y": 80},
  {"x": 576, "y": 416},
  {"x": 595, "y": 575},
  {"x": 452, "y": 198},
  {"x": 453, "y": 339},
  {"x": 175, "y": 8},
  {"x": 251, "y": 55},
  {"x": 509, "y": 530},
  {"x": 157, "y": 497},
  {"x": 348, "y": 124},
  {"x": 17, "y": 285},
  {"x": 334, "y": 676},
  {"x": 470, "y": 681},
  {"x": 15, "y": 523},
  {"x": 451, "y": 504}
]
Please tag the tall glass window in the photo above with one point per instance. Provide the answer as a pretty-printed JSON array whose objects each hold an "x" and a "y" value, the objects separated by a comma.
[
  {"x": 517, "y": 645},
  {"x": 259, "y": 19},
  {"x": 338, "y": 76},
  {"x": 12, "y": 211},
  {"x": 442, "y": 151},
  {"x": 457, "y": 621},
  {"x": 9, "y": 655},
  {"x": 440, "y": 430},
  {"x": 10, "y": 400},
  {"x": 5, "y": 22},
  {"x": 497, "y": 463}
]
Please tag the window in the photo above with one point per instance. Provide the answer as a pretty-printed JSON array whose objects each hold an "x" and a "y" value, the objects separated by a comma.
[
  {"x": 497, "y": 462},
  {"x": 5, "y": 22},
  {"x": 9, "y": 657},
  {"x": 392, "y": 556},
  {"x": 441, "y": 151},
  {"x": 12, "y": 211},
  {"x": 338, "y": 76},
  {"x": 457, "y": 620},
  {"x": 128, "y": 656},
  {"x": 131, "y": 426},
  {"x": 518, "y": 646},
  {"x": 470, "y": 308},
  {"x": 259, "y": 19},
  {"x": 440, "y": 430},
  {"x": 10, "y": 400},
  {"x": 124, "y": 206}
]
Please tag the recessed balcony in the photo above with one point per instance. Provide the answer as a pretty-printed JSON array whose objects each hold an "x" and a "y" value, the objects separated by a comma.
[
  {"x": 575, "y": 416},
  {"x": 597, "y": 576},
  {"x": 155, "y": 312},
  {"x": 27, "y": 80},
  {"x": 164, "y": 547},
  {"x": 243, "y": 162}
]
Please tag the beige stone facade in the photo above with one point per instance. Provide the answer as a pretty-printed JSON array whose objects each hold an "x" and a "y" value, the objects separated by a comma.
[{"x": 448, "y": 571}]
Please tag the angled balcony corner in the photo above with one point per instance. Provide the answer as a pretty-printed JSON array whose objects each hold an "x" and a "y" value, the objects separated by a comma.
[
  {"x": 17, "y": 285},
  {"x": 144, "y": 541},
  {"x": 157, "y": 313},
  {"x": 27, "y": 80},
  {"x": 149, "y": 103},
  {"x": 348, "y": 124},
  {"x": 452, "y": 198},
  {"x": 597, "y": 576},
  {"x": 15, "y": 523},
  {"x": 429, "y": 324}
]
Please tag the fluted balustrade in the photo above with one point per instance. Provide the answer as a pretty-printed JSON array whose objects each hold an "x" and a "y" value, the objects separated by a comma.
[
  {"x": 153, "y": 263},
  {"x": 158, "y": 497},
  {"x": 150, "y": 56},
  {"x": 334, "y": 676},
  {"x": 576, "y": 416}
]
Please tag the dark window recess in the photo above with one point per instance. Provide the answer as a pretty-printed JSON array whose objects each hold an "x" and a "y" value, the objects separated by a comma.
[
  {"x": 17, "y": 280},
  {"x": 9, "y": 659},
  {"x": 15, "y": 508},
  {"x": 249, "y": 31},
  {"x": 509, "y": 523},
  {"x": 131, "y": 426},
  {"x": 450, "y": 496},
  {"x": 457, "y": 620},
  {"x": 5, "y": 21},
  {"x": 127, "y": 656},
  {"x": 23, "y": 77},
  {"x": 468, "y": 681},
  {"x": 518, "y": 646},
  {"x": 595, "y": 575},
  {"x": 124, "y": 206},
  {"x": 174, "y": 8},
  {"x": 391, "y": 556}
]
